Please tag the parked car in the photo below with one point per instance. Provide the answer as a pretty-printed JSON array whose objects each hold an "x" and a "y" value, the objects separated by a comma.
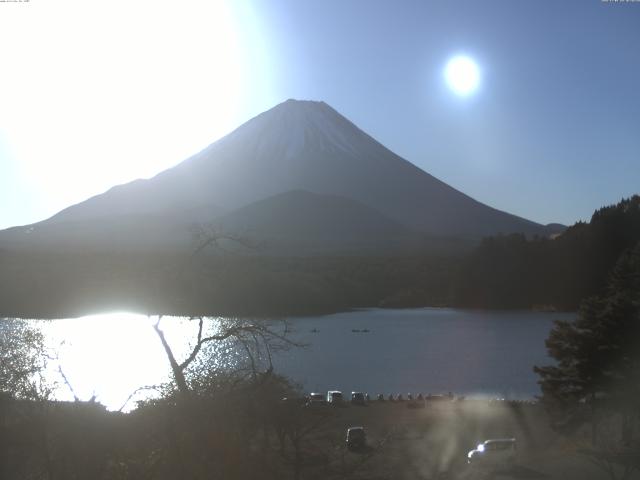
[
  {"x": 500, "y": 452},
  {"x": 357, "y": 398},
  {"x": 317, "y": 399},
  {"x": 334, "y": 397},
  {"x": 356, "y": 438},
  {"x": 381, "y": 397}
]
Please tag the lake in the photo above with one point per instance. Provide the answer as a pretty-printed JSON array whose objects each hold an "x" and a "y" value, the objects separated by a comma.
[{"x": 428, "y": 350}]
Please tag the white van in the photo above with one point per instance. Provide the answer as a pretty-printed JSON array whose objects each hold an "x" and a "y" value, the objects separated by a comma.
[
  {"x": 334, "y": 396},
  {"x": 499, "y": 452}
]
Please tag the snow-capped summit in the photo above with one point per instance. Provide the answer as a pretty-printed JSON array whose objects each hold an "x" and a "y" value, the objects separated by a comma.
[
  {"x": 297, "y": 125},
  {"x": 301, "y": 124}
]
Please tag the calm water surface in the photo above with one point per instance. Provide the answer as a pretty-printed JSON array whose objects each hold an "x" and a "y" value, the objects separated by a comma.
[
  {"x": 422, "y": 350},
  {"x": 415, "y": 350}
]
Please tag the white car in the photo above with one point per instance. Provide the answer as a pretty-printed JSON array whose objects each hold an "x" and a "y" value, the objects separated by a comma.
[
  {"x": 499, "y": 452},
  {"x": 334, "y": 397}
]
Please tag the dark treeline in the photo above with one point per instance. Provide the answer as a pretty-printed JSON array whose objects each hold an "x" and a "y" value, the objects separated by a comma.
[
  {"x": 514, "y": 272},
  {"x": 45, "y": 285},
  {"x": 508, "y": 271}
]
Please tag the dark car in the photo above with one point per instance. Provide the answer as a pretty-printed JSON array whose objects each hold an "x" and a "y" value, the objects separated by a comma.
[
  {"x": 316, "y": 399},
  {"x": 357, "y": 398},
  {"x": 356, "y": 438}
]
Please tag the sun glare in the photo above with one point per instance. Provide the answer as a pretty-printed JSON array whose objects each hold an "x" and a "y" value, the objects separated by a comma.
[
  {"x": 462, "y": 75},
  {"x": 95, "y": 94},
  {"x": 109, "y": 356}
]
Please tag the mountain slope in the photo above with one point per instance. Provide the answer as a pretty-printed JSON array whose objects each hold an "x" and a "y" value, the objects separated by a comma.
[
  {"x": 301, "y": 145},
  {"x": 115, "y": 234},
  {"x": 305, "y": 222}
]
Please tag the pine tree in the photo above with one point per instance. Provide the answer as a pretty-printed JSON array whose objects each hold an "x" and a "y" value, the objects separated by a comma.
[{"x": 598, "y": 354}]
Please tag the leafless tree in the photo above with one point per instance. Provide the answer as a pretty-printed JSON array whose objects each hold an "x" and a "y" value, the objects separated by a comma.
[
  {"x": 214, "y": 237},
  {"x": 254, "y": 336},
  {"x": 295, "y": 424}
]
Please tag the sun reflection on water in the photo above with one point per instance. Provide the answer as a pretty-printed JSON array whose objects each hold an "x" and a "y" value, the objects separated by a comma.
[{"x": 109, "y": 356}]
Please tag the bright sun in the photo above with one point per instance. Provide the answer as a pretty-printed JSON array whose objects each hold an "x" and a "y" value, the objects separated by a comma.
[{"x": 462, "y": 75}]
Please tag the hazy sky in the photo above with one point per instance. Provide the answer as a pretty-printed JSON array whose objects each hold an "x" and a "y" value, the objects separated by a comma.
[{"x": 98, "y": 93}]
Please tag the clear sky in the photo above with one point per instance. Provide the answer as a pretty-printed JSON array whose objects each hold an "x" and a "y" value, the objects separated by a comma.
[{"x": 96, "y": 93}]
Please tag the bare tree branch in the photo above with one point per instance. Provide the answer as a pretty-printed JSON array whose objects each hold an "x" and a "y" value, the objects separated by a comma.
[
  {"x": 68, "y": 384},
  {"x": 139, "y": 389},
  {"x": 212, "y": 236},
  {"x": 254, "y": 336}
]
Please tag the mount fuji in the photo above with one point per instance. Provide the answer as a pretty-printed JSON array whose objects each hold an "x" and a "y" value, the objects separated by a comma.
[{"x": 299, "y": 172}]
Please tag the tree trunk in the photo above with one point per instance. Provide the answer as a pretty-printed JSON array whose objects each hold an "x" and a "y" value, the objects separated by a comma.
[
  {"x": 594, "y": 421},
  {"x": 178, "y": 374}
]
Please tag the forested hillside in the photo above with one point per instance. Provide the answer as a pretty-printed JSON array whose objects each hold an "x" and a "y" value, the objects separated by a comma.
[
  {"x": 514, "y": 272},
  {"x": 502, "y": 272}
]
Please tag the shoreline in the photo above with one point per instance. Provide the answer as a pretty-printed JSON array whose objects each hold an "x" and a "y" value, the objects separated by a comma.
[{"x": 289, "y": 315}]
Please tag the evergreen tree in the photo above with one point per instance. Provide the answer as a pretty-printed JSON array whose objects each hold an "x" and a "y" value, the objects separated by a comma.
[{"x": 598, "y": 354}]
